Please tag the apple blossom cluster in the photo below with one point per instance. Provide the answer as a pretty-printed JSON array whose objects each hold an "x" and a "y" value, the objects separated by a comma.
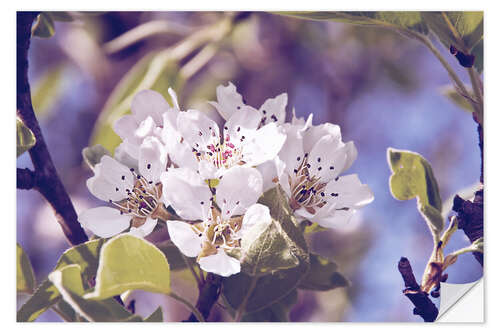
[{"x": 212, "y": 172}]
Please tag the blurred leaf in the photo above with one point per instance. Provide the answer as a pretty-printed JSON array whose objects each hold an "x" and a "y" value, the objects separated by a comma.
[
  {"x": 323, "y": 275},
  {"x": 399, "y": 21},
  {"x": 154, "y": 71},
  {"x": 43, "y": 26},
  {"x": 60, "y": 16},
  {"x": 92, "y": 155},
  {"x": 277, "y": 312},
  {"x": 457, "y": 99},
  {"x": 478, "y": 52},
  {"x": 25, "y": 137},
  {"x": 47, "y": 90},
  {"x": 127, "y": 263},
  {"x": 85, "y": 255},
  {"x": 413, "y": 177},
  {"x": 156, "y": 316},
  {"x": 174, "y": 256},
  {"x": 25, "y": 277},
  {"x": 464, "y": 30},
  {"x": 69, "y": 283}
]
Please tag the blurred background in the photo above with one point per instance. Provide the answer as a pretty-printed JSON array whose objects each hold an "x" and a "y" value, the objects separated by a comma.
[{"x": 383, "y": 89}]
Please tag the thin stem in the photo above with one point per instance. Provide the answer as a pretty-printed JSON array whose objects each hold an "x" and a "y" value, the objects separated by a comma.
[
  {"x": 241, "y": 309},
  {"x": 191, "y": 307},
  {"x": 191, "y": 268},
  {"x": 476, "y": 86}
]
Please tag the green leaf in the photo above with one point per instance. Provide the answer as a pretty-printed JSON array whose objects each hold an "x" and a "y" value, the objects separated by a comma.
[
  {"x": 273, "y": 287},
  {"x": 313, "y": 228},
  {"x": 92, "y": 155},
  {"x": 478, "y": 52},
  {"x": 69, "y": 283},
  {"x": 413, "y": 177},
  {"x": 127, "y": 263},
  {"x": 277, "y": 312},
  {"x": 43, "y": 26},
  {"x": 156, "y": 71},
  {"x": 266, "y": 249},
  {"x": 399, "y": 21},
  {"x": 47, "y": 90},
  {"x": 323, "y": 275},
  {"x": 25, "y": 137},
  {"x": 464, "y": 30},
  {"x": 156, "y": 316},
  {"x": 457, "y": 99},
  {"x": 25, "y": 277},
  {"x": 85, "y": 255}
]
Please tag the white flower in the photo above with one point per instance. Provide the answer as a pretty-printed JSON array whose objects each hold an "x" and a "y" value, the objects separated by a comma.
[
  {"x": 149, "y": 113},
  {"x": 225, "y": 217},
  {"x": 136, "y": 196},
  {"x": 242, "y": 142},
  {"x": 314, "y": 158}
]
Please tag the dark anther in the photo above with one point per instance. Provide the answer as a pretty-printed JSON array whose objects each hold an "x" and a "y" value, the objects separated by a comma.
[
  {"x": 319, "y": 169},
  {"x": 117, "y": 189},
  {"x": 332, "y": 167},
  {"x": 148, "y": 166},
  {"x": 238, "y": 107},
  {"x": 123, "y": 177},
  {"x": 264, "y": 111}
]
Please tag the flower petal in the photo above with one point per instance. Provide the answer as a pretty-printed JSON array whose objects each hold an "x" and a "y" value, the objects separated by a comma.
[
  {"x": 348, "y": 191},
  {"x": 149, "y": 103},
  {"x": 111, "y": 180},
  {"x": 144, "y": 229},
  {"x": 125, "y": 126},
  {"x": 269, "y": 173},
  {"x": 220, "y": 264},
  {"x": 325, "y": 162},
  {"x": 198, "y": 130},
  {"x": 240, "y": 126},
  {"x": 256, "y": 214},
  {"x": 315, "y": 133},
  {"x": 228, "y": 101},
  {"x": 152, "y": 159},
  {"x": 292, "y": 153},
  {"x": 123, "y": 156},
  {"x": 104, "y": 221},
  {"x": 273, "y": 110},
  {"x": 264, "y": 145},
  {"x": 239, "y": 188},
  {"x": 337, "y": 219},
  {"x": 184, "y": 237},
  {"x": 186, "y": 192}
]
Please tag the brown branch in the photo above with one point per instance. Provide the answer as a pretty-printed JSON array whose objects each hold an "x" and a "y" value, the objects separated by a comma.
[
  {"x": 25, "y": 179},
  {"x": 46, "y": 179},
  {"x": 423, "y": 305},
  {"x": 209, "y": 293}
]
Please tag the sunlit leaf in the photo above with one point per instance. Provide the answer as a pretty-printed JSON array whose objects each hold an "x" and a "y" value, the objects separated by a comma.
[
  {"x": 25, "y": 137},
  {"x": 92, "y": 155},
  {"x": 43, "y": 26},
  {"x": 127, "y": 263},
  {"x": 69, "y": 284},
  {"x": 25, "y": 277},
  {"x": 323, "y": 275},
  {"x": 85, "y": 255},
  {"x": 413, "y": 178}
]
